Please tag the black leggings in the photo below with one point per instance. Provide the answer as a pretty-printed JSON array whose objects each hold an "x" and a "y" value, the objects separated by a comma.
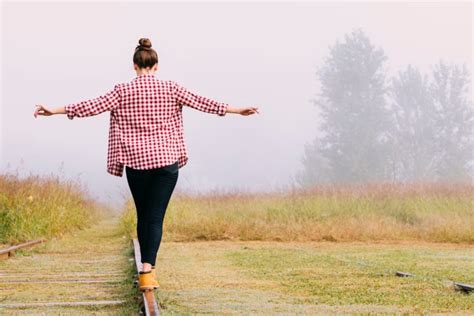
[{"x": 151, "y": 190}]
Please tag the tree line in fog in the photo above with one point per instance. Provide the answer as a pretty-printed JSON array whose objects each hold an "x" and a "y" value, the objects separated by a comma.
[{"x": 412, "y": 126}]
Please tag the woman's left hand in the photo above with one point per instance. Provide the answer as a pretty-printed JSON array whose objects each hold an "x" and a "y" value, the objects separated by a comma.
[
  {"x": 247, "y": 111},
  {"x": 41, "y": 110}
]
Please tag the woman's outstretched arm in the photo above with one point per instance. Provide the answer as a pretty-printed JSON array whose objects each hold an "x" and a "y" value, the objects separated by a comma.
[
  {"x": 42, "y": 110},
  {"x": 91, "y": 107},
  {"x": 204, "y": 104}
]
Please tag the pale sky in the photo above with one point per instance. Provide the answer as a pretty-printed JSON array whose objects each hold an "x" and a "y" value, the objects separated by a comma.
[{"x": 242, "y": 53}]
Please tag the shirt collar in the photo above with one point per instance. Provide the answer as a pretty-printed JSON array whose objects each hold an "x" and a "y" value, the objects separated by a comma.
[{"x": 144, "y": 76}]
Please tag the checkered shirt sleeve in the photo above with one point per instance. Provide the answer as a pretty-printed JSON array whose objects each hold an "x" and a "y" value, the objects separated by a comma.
[
  {"x": 198, "y": 102},
  {"x": 106, "y": 102}
]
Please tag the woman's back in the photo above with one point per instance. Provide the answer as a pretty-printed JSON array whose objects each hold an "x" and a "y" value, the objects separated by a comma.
[
  {"x": 146, "y": 122},
  {"x": 148, "y": 110}
]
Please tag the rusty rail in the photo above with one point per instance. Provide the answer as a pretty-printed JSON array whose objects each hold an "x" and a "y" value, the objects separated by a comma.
[
  {"x": 6, "y": 253},
  {"x": 150, "y": 306}
]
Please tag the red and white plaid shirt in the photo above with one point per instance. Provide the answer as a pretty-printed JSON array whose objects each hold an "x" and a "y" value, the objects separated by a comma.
[{"x": 146, "y": 121}]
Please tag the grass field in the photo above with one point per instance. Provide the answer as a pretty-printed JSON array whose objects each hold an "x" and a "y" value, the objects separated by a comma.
[
  {"x": 419, "y": 212},
  {"x": 44, "y": 206},
  {"x": 325, "y": 250},
  {"x": 319, "y": 251},
  {"x": 261, "y": 277}
]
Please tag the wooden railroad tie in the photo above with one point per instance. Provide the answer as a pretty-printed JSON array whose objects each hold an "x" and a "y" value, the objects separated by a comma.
[{"x": 46, "y": 304}]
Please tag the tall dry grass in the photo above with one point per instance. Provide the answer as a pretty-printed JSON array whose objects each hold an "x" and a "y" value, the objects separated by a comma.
[
  {"x": 43, "y": 206},
  {"x": 418, "y": 211}
]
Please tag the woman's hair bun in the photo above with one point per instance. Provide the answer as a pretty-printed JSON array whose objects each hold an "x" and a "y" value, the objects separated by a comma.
[
  {"x": 145, "y": 56},
  {"x": 145, "y": 42}
]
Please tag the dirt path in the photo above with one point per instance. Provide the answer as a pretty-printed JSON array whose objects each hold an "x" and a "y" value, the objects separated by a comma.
[{"x": 87, "y": 266}]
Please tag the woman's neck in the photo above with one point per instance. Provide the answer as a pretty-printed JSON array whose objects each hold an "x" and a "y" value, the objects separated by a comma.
[{"x": 145, "y": 72}]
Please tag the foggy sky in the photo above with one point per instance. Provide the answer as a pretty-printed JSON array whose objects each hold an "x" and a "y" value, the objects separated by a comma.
[{"x": 244, "y": 54}]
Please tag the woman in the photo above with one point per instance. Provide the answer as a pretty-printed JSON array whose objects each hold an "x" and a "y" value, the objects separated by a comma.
[{"x": 146, "y": 137}]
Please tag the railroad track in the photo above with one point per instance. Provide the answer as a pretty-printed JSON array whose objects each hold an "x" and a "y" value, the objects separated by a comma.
[
  {"x": 149, "y": 305},
  {"x": 32, "y": 278},
  {"x": 71, "y": 274}
]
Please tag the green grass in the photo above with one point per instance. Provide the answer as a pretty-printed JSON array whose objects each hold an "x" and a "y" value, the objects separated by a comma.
[
  {"x": 44, "y": 206},
  {"x": 364, "y": 274}
]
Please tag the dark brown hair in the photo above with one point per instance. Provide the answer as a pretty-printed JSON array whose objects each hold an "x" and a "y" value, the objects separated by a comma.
[{"x": 144, "y": 55}]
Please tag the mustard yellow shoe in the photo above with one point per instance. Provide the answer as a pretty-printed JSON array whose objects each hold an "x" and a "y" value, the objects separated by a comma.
[
  {"x": 153, "y": 272},
  {"x": 146, "y": 281}
]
